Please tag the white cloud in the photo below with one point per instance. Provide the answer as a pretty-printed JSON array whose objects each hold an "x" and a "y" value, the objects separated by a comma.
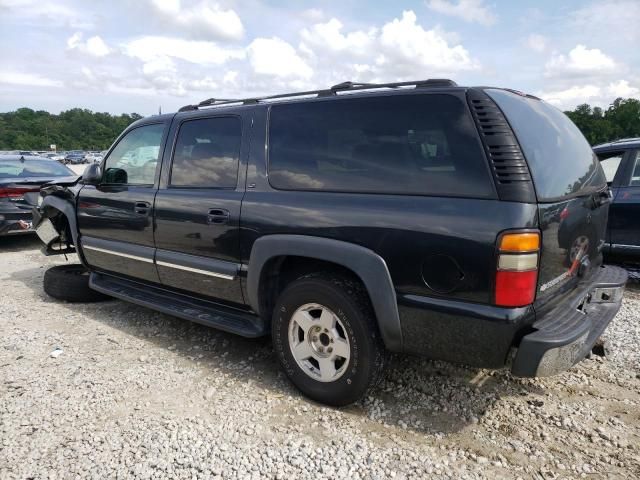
[
  {"x": 94, "y": 46},
  {"x": 45, "y": 13},
  {"x": 622, "y": 89},
  {"x": 537, "y": 43},
  {"x": 230, "y": 77},
  {"x": 571, "y": 96},
  {"x": 580, "y": 61},
  {"x": 28, "y": 79},
  {"x": 400, "y": 49},
  {"x": 275, "y": 57},
  {"x": 612, "y": 20},
  {"x": 596, "y": 94},
  {"x": 409, "y": 48},
  {"x": 468, "y": 10},
  {"x": 313, "y": 15},
  {"x": 205, "y": 19},
  {"x": 152, "y": 48},
  {"x": 329, "y": 35}
]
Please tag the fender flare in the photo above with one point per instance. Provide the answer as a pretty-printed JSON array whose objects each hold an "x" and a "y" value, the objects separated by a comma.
[
  {"x": 68, "y": 209},
  {"x": 365, "y": 263}
]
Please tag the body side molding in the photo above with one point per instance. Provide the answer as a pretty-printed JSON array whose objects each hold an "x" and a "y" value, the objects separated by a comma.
[{"x": 365, "y": 263}]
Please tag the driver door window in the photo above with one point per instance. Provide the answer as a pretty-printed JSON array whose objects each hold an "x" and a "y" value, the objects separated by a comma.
[
  {"x": 610, "y": 164},
  {"x": 635, "y": 174},
  {"x": 134, "y": 160}
]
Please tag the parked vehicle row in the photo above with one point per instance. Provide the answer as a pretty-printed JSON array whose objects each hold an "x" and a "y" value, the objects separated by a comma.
[
  {"x": 74, "y": 157},
  {"x": 466, "y": 224}
]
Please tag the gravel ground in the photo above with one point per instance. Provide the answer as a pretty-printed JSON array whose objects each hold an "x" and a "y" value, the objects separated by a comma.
[{"x": 135, "y": 393}]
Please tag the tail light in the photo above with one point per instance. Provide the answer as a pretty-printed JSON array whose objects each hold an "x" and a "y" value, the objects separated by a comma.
[
  {"x": 16, "y": 193},
  {"x": 517, "y": 269}
]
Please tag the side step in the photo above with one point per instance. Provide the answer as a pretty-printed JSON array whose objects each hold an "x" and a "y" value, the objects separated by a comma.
[{"x": 189, "y": 308}]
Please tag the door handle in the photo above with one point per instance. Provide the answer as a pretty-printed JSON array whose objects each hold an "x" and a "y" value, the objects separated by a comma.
[
  {"x": 217, "y": 216},
  {"x": 141, "y": 208}
]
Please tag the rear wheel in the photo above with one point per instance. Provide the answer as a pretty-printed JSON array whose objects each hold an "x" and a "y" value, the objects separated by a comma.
[
  {"x": 326, "y": 338},
  {"x": 70, "y": 283}
]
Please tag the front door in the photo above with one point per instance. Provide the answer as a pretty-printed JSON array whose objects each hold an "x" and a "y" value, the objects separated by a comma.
[
  {"x": 115, "y": 218},
  {"x": 197, "y": 209}
]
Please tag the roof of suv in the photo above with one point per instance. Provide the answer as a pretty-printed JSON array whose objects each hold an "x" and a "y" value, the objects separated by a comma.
[{"x": 621, "y": 144}]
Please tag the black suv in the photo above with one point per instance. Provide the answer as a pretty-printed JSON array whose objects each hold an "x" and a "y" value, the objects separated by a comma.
[
  {"x": 417, "y": 217},
  {"x": 620, "y": 161}
]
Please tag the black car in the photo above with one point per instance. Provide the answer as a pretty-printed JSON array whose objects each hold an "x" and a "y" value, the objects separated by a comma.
[
  {"x": 621, "y": 163},
  {"x": 418, "y": 217},
  {"x": 20, "y": 180}
]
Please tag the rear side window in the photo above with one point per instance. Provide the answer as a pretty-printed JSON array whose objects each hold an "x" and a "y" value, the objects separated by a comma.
[
  {"x": 404, "y": 144},
  {"x": 559, "y": 157},
  {"x": 207, "y": 153}
]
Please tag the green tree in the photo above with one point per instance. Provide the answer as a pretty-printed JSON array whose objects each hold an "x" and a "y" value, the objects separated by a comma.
[
  {"x": 27, "y": 129},
  {"x": 620, "y": 120}
]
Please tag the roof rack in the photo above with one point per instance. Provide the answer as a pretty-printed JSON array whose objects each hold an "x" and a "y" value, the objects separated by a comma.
[
  {"x": 630, "y": 139},
  {"x": 334, "y": 90}
]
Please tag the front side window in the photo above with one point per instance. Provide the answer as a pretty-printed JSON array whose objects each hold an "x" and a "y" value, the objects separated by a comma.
[
  {"x": 402, "y": 144},
  {"x": 610, "y": 162},
  {"x": 134, "y": 160},
  {"x": 635, "y": 174},
  {"x": 207, "y": 153}
]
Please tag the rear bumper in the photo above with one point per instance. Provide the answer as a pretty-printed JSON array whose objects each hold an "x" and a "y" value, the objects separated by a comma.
[
  {"x": 565, "y": 335},
  {"x": 13, "y": 224}
]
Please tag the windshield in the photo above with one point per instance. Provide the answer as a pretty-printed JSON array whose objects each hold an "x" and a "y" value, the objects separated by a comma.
[
  {"x": 32, "y": 168},
  {"x": 560, "y": 158}
]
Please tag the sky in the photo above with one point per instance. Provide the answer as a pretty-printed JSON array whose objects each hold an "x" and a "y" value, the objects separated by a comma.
[{"x": 138, "y": 56}]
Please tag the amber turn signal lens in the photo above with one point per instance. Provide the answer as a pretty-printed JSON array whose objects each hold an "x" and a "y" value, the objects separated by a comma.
[{"x": 520, "y": 242}]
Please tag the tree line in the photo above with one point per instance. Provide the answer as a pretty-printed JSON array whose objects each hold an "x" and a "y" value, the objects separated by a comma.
[
  {"x": 620, "y": 120},
  {"x": 80, "y": 129},
  {"x": 75, "y": 129}
]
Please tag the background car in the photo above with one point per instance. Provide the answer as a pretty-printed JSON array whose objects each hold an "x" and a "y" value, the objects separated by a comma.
[
  {"x": 20, "y": 180},
  {"x": 75, "y": 157},
  {"x": 620, "y": 161},
  {"x": 94, "y": 157}
]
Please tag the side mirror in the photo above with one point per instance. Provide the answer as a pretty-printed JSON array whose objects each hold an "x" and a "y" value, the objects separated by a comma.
[{"x": 92, "y": 174}]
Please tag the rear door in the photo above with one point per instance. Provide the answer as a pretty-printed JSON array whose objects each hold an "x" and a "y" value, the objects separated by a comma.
[
  {"x": 625, "y": 211},
  {"x": 197, "y": 210},
  {"x": 571, "y": 188},
  {"x": 115, "y": 217}
]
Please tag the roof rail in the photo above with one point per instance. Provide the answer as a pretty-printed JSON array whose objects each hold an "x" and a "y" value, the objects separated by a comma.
[
  {"x": 630, "y": 139},
  {"x": 340, "y": 87}
]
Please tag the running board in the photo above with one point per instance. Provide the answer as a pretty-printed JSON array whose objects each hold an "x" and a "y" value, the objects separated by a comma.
[{"x": 189, "y": 308}]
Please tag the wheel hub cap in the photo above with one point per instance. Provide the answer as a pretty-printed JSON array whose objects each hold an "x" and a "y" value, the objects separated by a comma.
[{"x": 319, "y": 343}]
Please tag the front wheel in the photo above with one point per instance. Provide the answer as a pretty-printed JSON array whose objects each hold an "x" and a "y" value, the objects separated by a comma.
[{"x": 326, "y": 338}]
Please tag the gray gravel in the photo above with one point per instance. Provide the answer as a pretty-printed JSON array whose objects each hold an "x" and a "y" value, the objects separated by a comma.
[{"x": 139, "y": 394}]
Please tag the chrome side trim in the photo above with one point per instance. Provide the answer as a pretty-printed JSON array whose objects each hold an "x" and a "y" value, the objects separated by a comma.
[
  {"x": 119, "y": 254},
  {"x": 195, "y": 270},
  {"x": 625, "y": 247}
]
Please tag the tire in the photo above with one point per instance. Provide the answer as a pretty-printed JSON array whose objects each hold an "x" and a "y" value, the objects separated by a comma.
[
  {"x": 70, "y": 283},
  {"x": 322, "y": 301}
]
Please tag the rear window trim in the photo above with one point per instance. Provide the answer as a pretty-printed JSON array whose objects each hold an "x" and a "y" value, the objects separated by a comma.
[
  {"x": 584, "y": 193},
  {"x": 459, "y": 94}
]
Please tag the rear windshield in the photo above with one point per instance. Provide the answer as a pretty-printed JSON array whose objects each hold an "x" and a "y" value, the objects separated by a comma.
[
  {"x": 32, "y": 168},
  {"x": 400, "y": 144},
  {"x": 559, "y": 157}
]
